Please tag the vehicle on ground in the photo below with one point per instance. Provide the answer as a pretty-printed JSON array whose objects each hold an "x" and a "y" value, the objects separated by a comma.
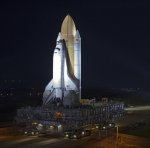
[
  {"x": 31, "y": 132},
  {"x": 77, "y": 134}
]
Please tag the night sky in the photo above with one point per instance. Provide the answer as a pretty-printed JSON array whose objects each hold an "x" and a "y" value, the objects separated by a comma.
[{"x": 115, "y": 41}]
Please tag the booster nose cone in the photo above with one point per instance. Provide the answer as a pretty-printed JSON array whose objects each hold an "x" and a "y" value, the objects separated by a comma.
[
  {"x": 77, "y": 35},
  {"x": 68, "y": 27},
  {"x": 59, "y": 37}
]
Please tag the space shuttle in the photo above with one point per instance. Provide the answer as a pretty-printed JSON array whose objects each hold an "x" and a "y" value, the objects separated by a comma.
[{"x": 65, "y": 86}]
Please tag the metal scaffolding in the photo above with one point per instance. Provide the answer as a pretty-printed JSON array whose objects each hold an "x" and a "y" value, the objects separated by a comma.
[{"x": 68, "y": 118}]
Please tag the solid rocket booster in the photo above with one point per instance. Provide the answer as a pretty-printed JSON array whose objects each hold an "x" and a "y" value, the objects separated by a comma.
[
  {"x": 77, "y": 59},
  {"x": 77, "y": 55}
]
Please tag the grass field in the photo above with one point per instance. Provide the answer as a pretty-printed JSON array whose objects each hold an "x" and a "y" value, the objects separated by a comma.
[
  {"x": 143, "y": 132},
  {"x": 138, "y": 114}
]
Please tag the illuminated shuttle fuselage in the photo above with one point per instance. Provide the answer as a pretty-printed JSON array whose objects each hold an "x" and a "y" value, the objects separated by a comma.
[{"x": 65, "y": 87}]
